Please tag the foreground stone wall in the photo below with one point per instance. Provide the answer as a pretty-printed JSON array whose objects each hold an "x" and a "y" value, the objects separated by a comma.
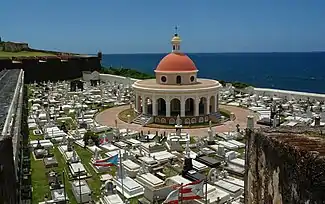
[{"x": 285, "y": 166}]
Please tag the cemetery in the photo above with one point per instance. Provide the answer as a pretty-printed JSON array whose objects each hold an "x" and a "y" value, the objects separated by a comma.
[{"x": 76, "y": 159}]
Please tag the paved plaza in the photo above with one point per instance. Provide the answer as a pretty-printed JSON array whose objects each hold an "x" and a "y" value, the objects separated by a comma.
[{"x": 108, "y": 117}]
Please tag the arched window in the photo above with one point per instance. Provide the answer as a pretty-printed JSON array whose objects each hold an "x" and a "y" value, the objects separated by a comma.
[
  {"x": 178, "y": 79},
  {"x": 174, "y": 48}
]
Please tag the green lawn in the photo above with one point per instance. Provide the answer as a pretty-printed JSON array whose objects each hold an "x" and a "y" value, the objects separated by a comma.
[
  {"x": 23, "y": 54},
  {"x": 64, "y": 167},
  {"x": 39, "y": 180},
  {"x": 123, "y": 115}
]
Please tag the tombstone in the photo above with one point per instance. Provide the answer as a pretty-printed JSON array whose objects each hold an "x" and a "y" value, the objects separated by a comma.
[
  {"x": 69, "y": 145},
  {"x": 90, "y": 142},
  {"x": 74, "y": 158},
  {"x": 250, "y": 122},
  {"x": 96, "y": 156},
  {"x": 274, "y": 124},
  {"x": 317, "y": 121},
  {"x": 210, "y": 134},
  {"x": 129, "y": 118}
]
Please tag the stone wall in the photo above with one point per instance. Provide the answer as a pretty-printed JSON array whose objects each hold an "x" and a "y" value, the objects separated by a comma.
[
  {"x": 87, "y": 76},
  {"x": 283, "y": 93},
  {"x": 285, "y": 166},
  {"x": 52, "y": 68}
]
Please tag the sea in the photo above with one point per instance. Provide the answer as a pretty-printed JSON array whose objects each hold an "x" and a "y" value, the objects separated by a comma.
[{"x": 287, "y": 71}]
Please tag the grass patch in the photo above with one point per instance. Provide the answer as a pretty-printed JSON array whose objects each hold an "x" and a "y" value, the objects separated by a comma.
[
  {"x": 123, "y": 115},
  {"x": 93, "y": 182},
  {"x": 39, "y": 180},
  {"x": 64, "y": 167},
  {"x": 4, "y": 54},
  {"x": 224, "y": 112}
]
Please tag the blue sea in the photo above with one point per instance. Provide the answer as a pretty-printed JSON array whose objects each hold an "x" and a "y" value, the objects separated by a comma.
[{"x": 289, "y": 71}]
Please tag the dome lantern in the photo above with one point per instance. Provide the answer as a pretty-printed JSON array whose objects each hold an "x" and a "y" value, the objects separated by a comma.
[{"x": 176, "y": 42}]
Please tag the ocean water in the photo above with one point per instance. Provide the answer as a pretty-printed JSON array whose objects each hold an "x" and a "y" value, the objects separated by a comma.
[{"x": 289, "y": 71}]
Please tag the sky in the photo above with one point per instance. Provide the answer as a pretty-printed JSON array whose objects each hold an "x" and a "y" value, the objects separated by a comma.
[{"x": 146, "y": 26}]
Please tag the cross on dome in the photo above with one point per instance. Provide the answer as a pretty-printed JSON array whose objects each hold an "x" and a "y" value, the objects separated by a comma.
[{"x": 176, "y": 28}]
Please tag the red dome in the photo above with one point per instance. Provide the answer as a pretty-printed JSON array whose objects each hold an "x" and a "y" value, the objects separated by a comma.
[{"x": 176, "y": 62}]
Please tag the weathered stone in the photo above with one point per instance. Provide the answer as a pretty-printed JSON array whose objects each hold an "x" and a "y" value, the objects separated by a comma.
[{"x": 285, "y": 165}]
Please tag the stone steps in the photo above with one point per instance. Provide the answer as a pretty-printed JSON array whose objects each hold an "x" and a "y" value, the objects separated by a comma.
[{"x": 142, "y": 119}]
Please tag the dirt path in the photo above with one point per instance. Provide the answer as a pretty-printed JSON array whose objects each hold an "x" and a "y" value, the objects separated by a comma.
[{"x": 108, "y": 117}]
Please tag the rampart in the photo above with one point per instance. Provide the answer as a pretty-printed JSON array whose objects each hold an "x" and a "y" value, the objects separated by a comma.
[
  {"x": 52, "y": 68},
  {"x": 285, "y": 166}
]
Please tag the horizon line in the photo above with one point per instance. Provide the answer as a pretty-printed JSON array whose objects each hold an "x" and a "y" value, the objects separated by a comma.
[{"x": 255, "y": 52}]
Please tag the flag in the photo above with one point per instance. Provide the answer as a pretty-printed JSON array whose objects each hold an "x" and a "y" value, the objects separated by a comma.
[
  {"x": 111, "y": 161},
  {"x": 172, "y": 197},
  {"x": 192, "y": 191}
]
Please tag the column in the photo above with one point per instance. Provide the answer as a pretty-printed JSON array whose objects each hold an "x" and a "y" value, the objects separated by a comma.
[
  {"x": 136, "y": 102},
  {"x": 217, "y": 102},
  {"x": 207, "y": 110},
  {"x": 144, "y": 105},
  {"x": 154, "y": 107},
  {"x": 167, "y": 108},
  {"x": 182, "y": 107},
  {"x": 196, "y": 106}
]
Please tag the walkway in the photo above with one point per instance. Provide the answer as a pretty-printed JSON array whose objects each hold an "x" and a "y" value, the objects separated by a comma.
[{"x": 108, "y": 117}]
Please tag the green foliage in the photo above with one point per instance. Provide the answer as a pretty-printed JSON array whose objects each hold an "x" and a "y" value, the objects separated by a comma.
[
  {"x": 240, "y": 85},
  {"x": 236, "y": 84},
  {"x": 126, "y": 73}
]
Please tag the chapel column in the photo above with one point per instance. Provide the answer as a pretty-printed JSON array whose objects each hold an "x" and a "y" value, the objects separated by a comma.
[
  {"x": 144, "y": 105},
  {"x": 182, "y": 107},
  {"x": 167, "y": 108},
  {"x": 154, "y": 106},
  {"x": 207, "y": 110},
  {"x": 196, "y": 106},
  {"x": 217, "y": 102}
]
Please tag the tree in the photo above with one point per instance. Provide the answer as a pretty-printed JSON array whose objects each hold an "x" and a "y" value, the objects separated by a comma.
[{"x": 88, "y": 135}]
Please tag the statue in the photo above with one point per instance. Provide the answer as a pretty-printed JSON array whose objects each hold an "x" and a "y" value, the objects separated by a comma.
[
  {"x": 178, "y": 121},
  {"x": 74, "y": 157},
  {"x": 96, "y": 155},
  {"x": 187, "y": 149}
]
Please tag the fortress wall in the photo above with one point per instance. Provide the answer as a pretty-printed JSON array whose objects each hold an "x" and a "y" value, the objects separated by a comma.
[
  {"x": 282, "y": 168},
  {"x": 52, "y": 69},
  {"x": 111, "y": 78},
  {"x": 289, "y": 94}
]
